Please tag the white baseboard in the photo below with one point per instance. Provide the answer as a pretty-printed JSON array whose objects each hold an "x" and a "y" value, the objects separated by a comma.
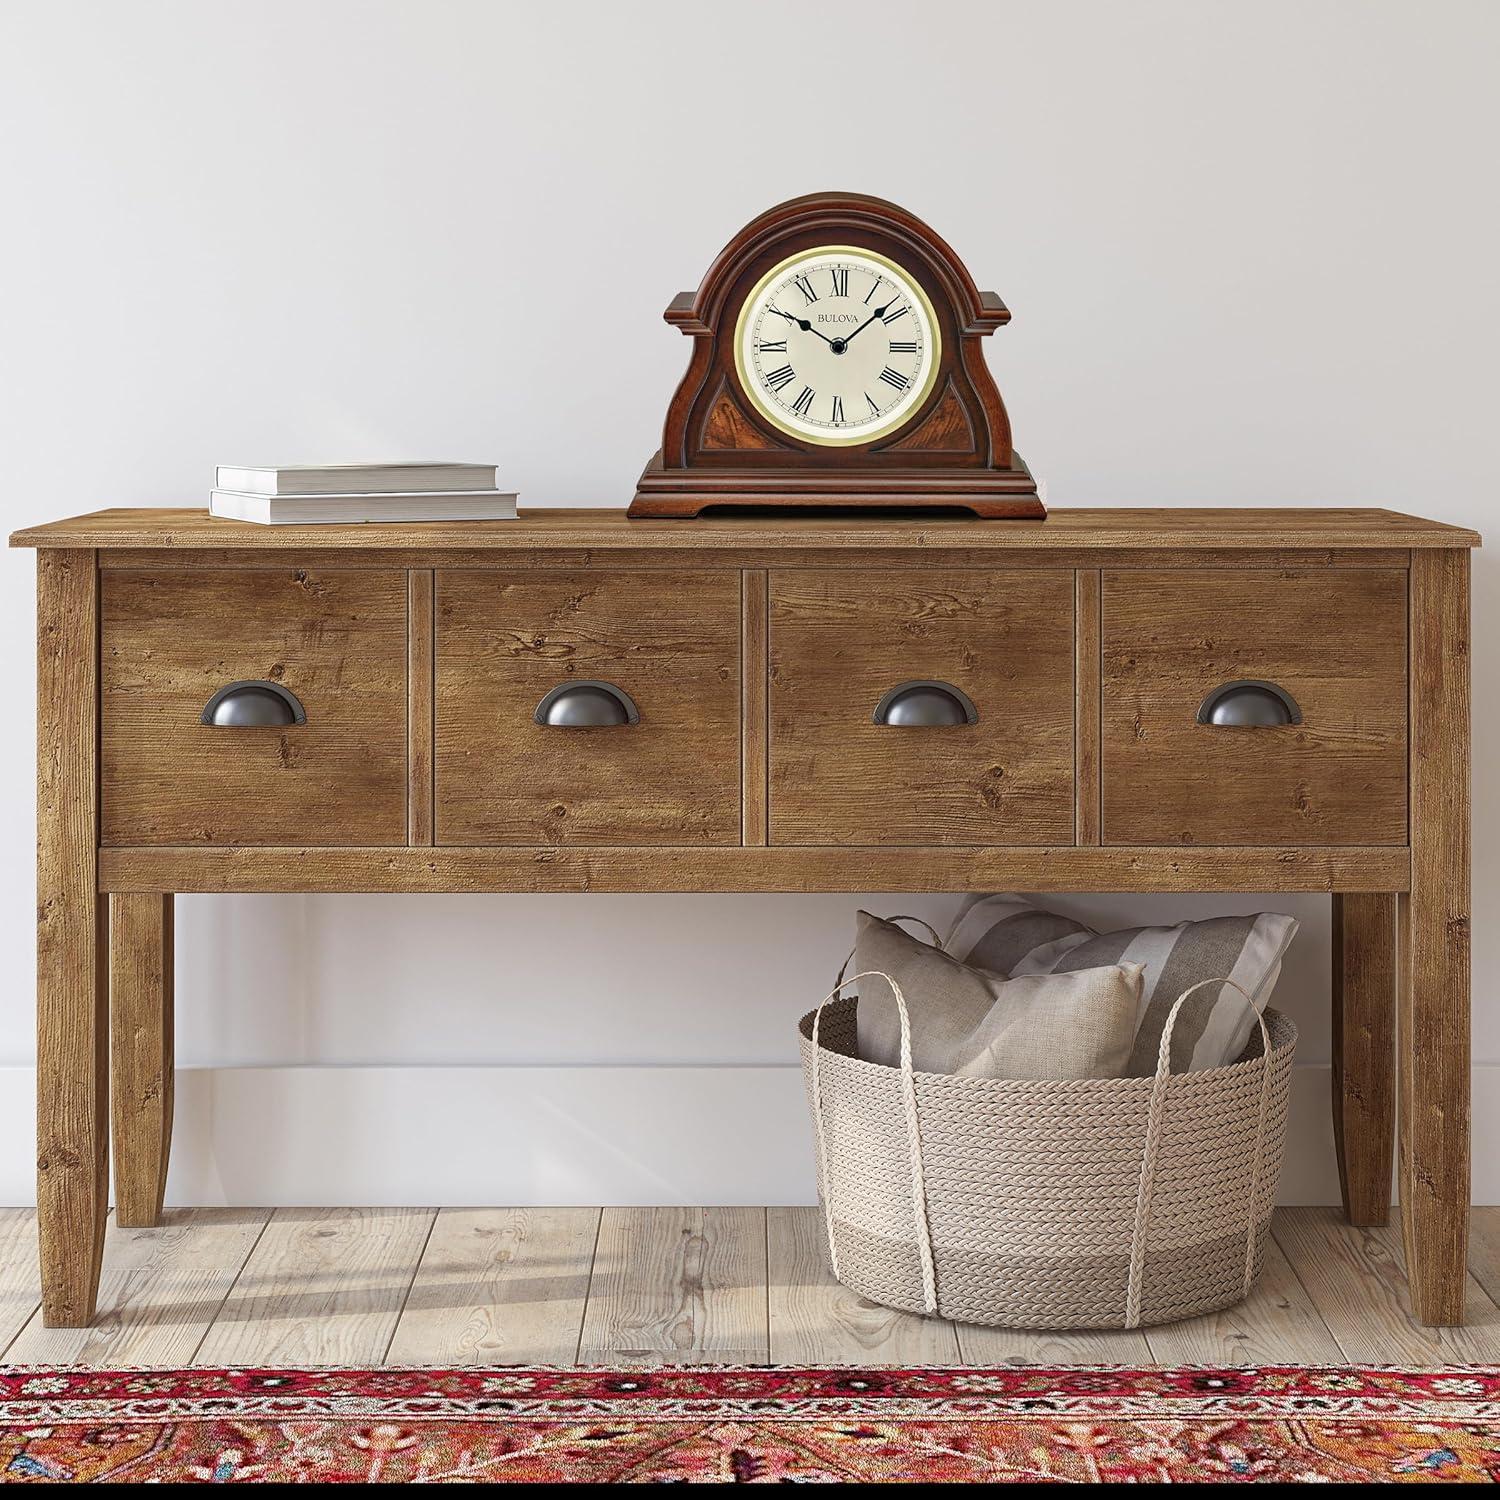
[{"x": 500, "y": 1135}]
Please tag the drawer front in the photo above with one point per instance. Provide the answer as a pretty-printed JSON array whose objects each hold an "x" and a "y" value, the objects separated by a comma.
[
  {"x": 169, "y": 641},
  {"x": 841, "y": 640},
  {"x": 669, "y": 640},
  {"x": 1334, "y": 640}
]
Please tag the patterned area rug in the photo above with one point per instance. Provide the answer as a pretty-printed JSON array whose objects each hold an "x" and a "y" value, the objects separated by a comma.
[{"x": 749, "y": 1425}]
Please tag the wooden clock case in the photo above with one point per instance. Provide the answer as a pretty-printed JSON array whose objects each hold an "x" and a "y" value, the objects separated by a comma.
[{"x": 954, "y": 453}]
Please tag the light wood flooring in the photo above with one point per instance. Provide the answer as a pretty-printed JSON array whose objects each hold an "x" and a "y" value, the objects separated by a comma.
[{"x": 652, "y": 1286}]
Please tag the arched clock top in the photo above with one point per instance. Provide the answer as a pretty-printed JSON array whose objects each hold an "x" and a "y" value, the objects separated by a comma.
[{"x": 831, "y": 215}]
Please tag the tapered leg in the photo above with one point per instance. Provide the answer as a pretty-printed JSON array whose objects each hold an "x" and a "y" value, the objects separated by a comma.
[
  {"x": 1364, "y": 1052},
  {"x": 1433, "y": 938},
  {"x": 72, "y": 1083},
  {"x": 140, "y": 1018}
]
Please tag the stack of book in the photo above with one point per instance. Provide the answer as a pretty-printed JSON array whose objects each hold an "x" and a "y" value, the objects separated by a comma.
[{"x": 303, "y": 494}]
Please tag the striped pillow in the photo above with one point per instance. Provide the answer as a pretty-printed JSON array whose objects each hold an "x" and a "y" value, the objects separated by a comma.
[{"x": 1010, "y": 936}]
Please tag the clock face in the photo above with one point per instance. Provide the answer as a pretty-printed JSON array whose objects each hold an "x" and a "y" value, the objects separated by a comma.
[{"x": 837, "y": 346}]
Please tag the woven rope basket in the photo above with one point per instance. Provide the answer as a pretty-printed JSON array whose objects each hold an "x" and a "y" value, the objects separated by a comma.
[{"x": 1111, "y": 1203}]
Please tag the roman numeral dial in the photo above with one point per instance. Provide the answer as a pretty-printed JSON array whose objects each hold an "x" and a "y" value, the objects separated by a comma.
[{"x": 837, "y": 346}]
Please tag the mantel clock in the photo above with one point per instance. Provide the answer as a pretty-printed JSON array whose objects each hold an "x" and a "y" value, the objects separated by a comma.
[{"x": 837, "y": 364}]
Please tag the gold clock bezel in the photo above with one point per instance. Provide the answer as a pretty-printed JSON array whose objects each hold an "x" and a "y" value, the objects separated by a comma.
[{"x": 752, "y": 393}]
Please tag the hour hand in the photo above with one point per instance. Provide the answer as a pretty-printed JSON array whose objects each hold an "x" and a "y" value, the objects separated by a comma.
[{"x": 801, "y": 323}]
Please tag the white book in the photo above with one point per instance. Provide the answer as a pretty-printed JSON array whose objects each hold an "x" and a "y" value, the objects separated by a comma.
[
  {"x": 355, "y": 479},
  {"x": 327, "y": 510}
]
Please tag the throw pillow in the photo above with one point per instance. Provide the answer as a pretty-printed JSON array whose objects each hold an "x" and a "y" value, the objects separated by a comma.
[
  {"x": 978, "y": 1025},
  {"x": 1008, "y": 934}
]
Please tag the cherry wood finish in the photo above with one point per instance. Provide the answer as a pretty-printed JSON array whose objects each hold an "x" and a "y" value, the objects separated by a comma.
[
  {"x": 756, "y": 650},
  {"x": 1336, "y": 643},
  {"x": 955, "y": 448},
  {"x": 840, "y": 641},
  {"x": 669, "y": 640},
  {"x": 338, "y": 640}
]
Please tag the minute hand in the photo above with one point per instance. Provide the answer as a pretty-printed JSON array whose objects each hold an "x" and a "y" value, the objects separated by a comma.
[{"x": 878, "y": 313}]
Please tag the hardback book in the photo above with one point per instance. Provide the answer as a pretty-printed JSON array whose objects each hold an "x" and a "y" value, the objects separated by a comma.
[
  {"x": 326, "y": 510},
  {"x": 355, "y": 479}
]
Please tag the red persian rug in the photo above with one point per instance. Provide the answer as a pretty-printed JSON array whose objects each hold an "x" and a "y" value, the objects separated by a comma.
[{"x": 749, "y": 1425}]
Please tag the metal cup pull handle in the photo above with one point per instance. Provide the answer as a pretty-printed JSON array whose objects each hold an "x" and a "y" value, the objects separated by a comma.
[
  {"x": 254, "y": 705},
  {"x": 920, "y": 705},
  {"x": 1249, "y": 703},
  {"x": 586, "y": 705}
]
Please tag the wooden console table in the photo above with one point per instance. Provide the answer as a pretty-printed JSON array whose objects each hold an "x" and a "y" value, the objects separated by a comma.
[{"x": 383, "y": 696}]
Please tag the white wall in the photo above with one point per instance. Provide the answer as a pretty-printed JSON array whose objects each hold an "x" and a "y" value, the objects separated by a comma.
[{"x": 1251, "y": 250}]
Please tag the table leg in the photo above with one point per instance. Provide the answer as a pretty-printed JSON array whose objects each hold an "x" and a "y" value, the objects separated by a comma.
[
  {"x": 1364, "y": 1052},
  {"x": 140, "y": 943},
  {"x": 72, "y": 1084},
  {"x": 1433, "y": 940}
]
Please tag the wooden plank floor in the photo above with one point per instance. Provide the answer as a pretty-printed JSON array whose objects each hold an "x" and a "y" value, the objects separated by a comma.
[{"x": 643, "y": 1286}]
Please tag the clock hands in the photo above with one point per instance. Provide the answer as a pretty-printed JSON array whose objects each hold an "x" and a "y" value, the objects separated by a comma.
[{"x": 838, "y": 345}]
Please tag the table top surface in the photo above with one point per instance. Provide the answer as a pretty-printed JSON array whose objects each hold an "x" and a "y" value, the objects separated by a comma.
[{"x": 1247, "y": 527}]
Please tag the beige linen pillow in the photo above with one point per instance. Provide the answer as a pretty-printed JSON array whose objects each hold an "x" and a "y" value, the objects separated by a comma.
[
  {"x": 975, "y": 1024},
  {"x": 1006, "y": 934}
]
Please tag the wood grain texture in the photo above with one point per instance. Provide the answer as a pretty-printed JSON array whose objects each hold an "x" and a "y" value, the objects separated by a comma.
[
  {"x": 783, "y": 548},
  {"x": 678, "y": 1286},
  {"x": 20, "y": 1273},
  {"x": 727, "y": 428},
  {"x": 1336, "y": 642},
  {"x": 419, "y": 706},
  {"x": 336, "y": 640},
  {"x": 499, "y": 1286},
  {"x": 1434, "y": 926},
  {"x": 1086, "y": 707},
  {"x": 161, "y": 1291},
  {"x": 1276, "y": 1324},
  {"x": 1484, "y": 1249},
  {"x": 592, "y": 529},
  {"x": 946, "y": 430},
  {"x": 72, "y": 1079},
  {"x": 142, "y": 1070},
  {"x": 754, "y": 670},
  {"x": 737, "y": 869},
  {"x": 148, "y": 1290},
  {"x": 671, "y": 641},
  {"x": 1364, "y": 1052},
  {"x": 980, "y": 1345},
  {"x": 1356, "y": 1281},
  {"x": 839, "y": 643},
  {"x": 814, "y": 1320},
  {"x": 322, "y": 1286}
]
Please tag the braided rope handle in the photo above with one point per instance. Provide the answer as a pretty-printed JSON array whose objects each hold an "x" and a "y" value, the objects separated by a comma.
[
  {"x": 1154, "y": 1117},
  {"x": 913, "y": 1135}
]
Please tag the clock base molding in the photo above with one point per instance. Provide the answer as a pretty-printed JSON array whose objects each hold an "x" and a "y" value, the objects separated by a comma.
[{"x": 1008, "y": 494}]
